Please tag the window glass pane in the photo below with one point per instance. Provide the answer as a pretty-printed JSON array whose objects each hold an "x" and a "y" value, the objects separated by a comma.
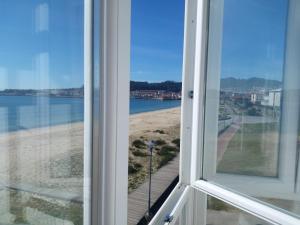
[
  {"x": 252, "y": 99},
  {"x": 41, "y": 112},
  {"x": 155, "y": 100},
  {"x": 249, "y": 87},
  {"x": 221, "y": 213}
]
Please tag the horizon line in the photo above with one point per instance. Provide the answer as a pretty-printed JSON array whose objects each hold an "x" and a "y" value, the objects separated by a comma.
[{"x": 149, "y": 82}]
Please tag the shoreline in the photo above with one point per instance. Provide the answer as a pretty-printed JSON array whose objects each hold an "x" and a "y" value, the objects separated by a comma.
[
  {"x": 81, "y": 122},
  {"x": 158, "y": 110},
  {"x": 52, "y": 157},
  {"x": 163, "y": 109},
  {"x": 49, "y": 161}
]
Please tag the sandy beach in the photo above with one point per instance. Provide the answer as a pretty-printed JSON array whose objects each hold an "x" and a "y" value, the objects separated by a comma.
[
  {"x": 162, "y": 127},
  {"x": 41, "y": 170},
  {"x": 160, "y": 119},
  {"x": 50, "y": 158}
]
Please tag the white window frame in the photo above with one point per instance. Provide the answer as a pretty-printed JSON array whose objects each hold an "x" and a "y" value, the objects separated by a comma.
[
  {"x": 107, "y": 132},
  {"x": 186, "y": 168},
  {"x": 88, "y": 108},
  {"x": 106, "y": 111},
  {"x": 189, "y": 163},
  {"x": 192, "y": 169},
  {"x": 283, "y": 185}
]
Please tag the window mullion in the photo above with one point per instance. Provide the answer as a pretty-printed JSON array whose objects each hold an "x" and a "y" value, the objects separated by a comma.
[
  {"x": 110, "y": 127},
  {"x": 187, "y": 89},
  {"x": 88, "y": 107}
]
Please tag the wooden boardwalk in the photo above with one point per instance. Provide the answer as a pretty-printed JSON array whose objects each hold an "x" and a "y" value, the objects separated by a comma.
[{"x": 138, "y": 199}]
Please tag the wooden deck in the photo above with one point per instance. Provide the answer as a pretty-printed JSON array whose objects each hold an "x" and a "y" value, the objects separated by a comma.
[{"x": 138, "y": 199}]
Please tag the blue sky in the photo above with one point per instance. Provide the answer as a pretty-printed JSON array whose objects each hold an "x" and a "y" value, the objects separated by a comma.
[
  {"x": 157, "y": 40},
  {"x": 253, "y": 38},
  {"x": 41, "y": 41}
]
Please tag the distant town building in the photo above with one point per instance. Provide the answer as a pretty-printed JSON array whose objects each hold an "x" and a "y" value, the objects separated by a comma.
[
  {"x": 272, "y": 99},
  {"x": 253, "y": 98},
  {"x": 156, "y": 94},
  {"x": 256, "y": 98}
]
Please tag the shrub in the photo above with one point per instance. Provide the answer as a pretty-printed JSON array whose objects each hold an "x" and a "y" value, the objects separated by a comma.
[
  {"x": 134, "y": 167},
  {"x": 139, "y": 144},
  {"x": 138, "y": 152},
  {"x": 159, "y": 131},
  {"x": 176, "y": 142},
  {"x": 166, "y": 149},
  {"x": 160, "y": 142},
  {"x": 254, "y": 112},
  {"x": 166, "y": 158}
]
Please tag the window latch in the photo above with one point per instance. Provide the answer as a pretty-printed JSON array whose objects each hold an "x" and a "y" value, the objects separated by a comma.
[{"x": 191, "y": 94}]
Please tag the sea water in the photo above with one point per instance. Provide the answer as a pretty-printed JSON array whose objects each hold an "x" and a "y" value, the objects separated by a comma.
[{"x": 26, "y": 112}]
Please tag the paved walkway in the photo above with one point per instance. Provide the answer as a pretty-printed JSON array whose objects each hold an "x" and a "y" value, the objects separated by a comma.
[{"x": 138, "y": 199}]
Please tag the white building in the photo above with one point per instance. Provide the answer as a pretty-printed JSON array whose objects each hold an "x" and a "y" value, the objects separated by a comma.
[
  {"x": 273, "y": 99},
  {"x": 256, "y": 98},
  {"x": 253, "y": 98}
]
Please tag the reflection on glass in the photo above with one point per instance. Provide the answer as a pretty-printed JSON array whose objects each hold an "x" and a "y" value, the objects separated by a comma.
[
  {"x": 251, "y": 139},
  {"x": 41, "y": 112},
  {"x": 252, "y": 99},
  {"x": 251, "y": 87},
  {"x": 221, "y": 213}
]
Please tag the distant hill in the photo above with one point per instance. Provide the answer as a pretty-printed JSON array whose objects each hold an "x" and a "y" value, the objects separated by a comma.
[
  {"x": 230, "y": 83},
  {"x": 67, "y": 92},
  {"x": 166, "y": 86},
  {"x": 248, "y": 84}
]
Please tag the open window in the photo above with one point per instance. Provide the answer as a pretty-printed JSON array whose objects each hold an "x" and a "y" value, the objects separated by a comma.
[
  {"x": 156, "y": 106},
  {"x": 252, "y": 98},
  {"x": 64, "y": 108},
  {"x": 245, "y": 135}
]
